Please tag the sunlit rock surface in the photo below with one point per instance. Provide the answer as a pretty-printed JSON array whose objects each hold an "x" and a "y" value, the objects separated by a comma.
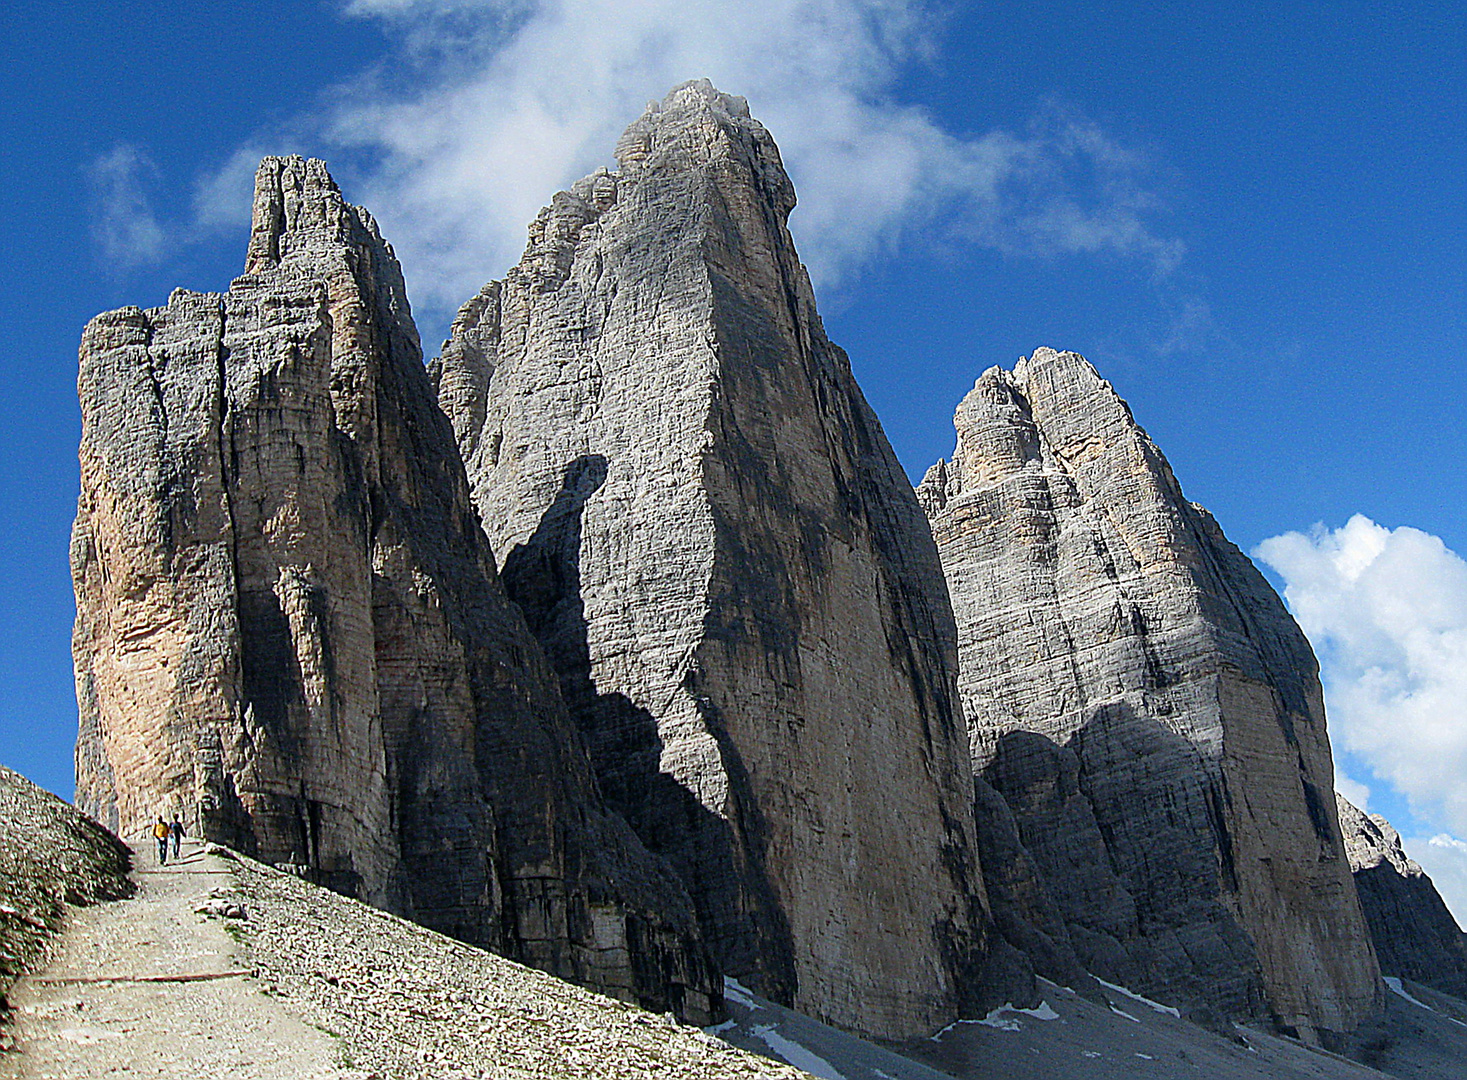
[
  {"x": 290, "y": 628},
  {"x": 707, "y": 530}
]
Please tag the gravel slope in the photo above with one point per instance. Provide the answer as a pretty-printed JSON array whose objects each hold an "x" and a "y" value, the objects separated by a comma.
[
  {"x": 219, "y": 967},
  {"x": 51, "y": 855},
  {"x": 408, "y": 1003},
  {"x": 150, "y": 987}
]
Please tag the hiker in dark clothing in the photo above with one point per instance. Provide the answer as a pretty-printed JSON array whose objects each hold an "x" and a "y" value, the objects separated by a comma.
[
  {"x": 160, "y": 833},
  {"x": 176, "y": 831}
]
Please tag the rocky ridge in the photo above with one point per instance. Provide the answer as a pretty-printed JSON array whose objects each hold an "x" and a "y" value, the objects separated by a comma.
[
  {"x": 291, "y": 631},
  {"x": 1147, "y": 710},
  {"x": 1415, "y": 935},
  {"x": 711, "y": 537},
  {"x": 50, "y": 857}
]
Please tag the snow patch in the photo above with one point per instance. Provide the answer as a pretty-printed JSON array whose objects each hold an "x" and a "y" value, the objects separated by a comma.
[
  {"x": 1122, "y": 1012},
  {"x": 1396, "y": 987},
  {"x": 997, "y": 1019},
  {"x": 795, "y": 1054},
  {"x": 721, "y": 1028},
  {"x": 1043, "y": 1012},
  {"x": 1158, "y": 1006},
  {"x": 1395, "y": 984},
  {"x": 737, "y": 992}
]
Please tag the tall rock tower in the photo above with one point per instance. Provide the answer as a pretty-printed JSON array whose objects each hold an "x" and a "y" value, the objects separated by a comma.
[
  {"x": 1147, "y": 708},
  {"x": 708, "y": 532},
  {"x": 290, "y": 627}
]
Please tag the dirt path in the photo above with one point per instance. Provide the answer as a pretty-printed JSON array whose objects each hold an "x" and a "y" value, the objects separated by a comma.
[{"x": 150, "y": 987}]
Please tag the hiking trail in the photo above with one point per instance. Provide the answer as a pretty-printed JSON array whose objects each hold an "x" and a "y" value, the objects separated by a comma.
[{"x": 149, "y": 986}]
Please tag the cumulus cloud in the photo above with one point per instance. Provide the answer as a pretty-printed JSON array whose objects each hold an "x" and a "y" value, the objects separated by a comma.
[
  {"x": 1386, "y": 610},
  {"x": 123, "y": 223},
  {"x": 1352, "y": 789},
  {"x": 489, "y": 106}
]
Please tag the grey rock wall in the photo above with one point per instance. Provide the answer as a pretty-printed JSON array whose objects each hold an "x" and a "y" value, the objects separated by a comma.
[
  {"x": 291, "y": 630},
  {"x": 708, "y": 532},
  {"x": 1415, "y": 935},
  {"x": 1146, "y": 707}
]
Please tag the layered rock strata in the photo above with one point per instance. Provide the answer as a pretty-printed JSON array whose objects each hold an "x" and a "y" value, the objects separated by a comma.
[
  {"x": 1415, "y": 935},
  {"x": 1147, "y": 708},
  {"x": 290, "y": 628},
  {"x": 707, "y": 530}
]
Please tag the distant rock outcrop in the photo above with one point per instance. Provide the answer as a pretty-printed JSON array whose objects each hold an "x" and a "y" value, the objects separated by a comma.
[
  {"x": 709, "y": 533},
  {"x": 291, "y": 630},
  {"x": 1415, "y": 935},
  {"x": 1147, "y": 709}
]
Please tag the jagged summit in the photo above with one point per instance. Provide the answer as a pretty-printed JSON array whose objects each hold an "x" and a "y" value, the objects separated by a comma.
[
  {"x": 1142, "y": 700},
  {"x": 1414, "y": 932},
  {"x": 710, "y": 535},
  {"x": 617, "y": 640},
  {"x": 696, "y": 126}
]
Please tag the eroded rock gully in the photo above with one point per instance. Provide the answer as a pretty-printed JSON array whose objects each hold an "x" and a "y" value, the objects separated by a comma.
[
  {"x": 290, "y": 628},
  {"x": 1147, "y": 709}
]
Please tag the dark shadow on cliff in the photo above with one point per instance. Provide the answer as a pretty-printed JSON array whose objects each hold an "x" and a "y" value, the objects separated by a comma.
[
  {"x": 720, "y": 861},
  {"x": 1126, "y": 826}
]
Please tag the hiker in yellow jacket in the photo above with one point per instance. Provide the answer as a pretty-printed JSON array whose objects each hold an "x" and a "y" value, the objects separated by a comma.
[{"x": 160, "y": 833}]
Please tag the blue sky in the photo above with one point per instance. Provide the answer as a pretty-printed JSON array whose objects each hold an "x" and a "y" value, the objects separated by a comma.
[{"x": 1249, "y": 217}]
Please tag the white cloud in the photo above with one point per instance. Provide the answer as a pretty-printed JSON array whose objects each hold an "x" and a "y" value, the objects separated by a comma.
[
  {"x": 491, "y": 106},
  {"x": 123, "y": 222},
  {"x": 1444, "y": 858},
  {"x": 1356, "y": 792},
  {"x": 1386, "y": 610},
  {"x": 222, "y": 200}
]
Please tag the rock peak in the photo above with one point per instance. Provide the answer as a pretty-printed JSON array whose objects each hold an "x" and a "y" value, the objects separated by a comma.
[
  {"x": 295, "y": 202},
  {"x": 1144, "y": 636},
  {"x": 713, "y": 541},
  {"x": 290, "y": 629},
  {"x": 1415, "y": 934},
  {"x": 699, "y": 126}
]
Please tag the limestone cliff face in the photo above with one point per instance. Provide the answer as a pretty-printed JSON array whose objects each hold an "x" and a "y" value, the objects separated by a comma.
[
  {"x": 291, "y": 630},
  {"x": 707, "y": 530},
  {"x": 1415, "y": 935},
  {"x": 1141, "y": 699}
]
